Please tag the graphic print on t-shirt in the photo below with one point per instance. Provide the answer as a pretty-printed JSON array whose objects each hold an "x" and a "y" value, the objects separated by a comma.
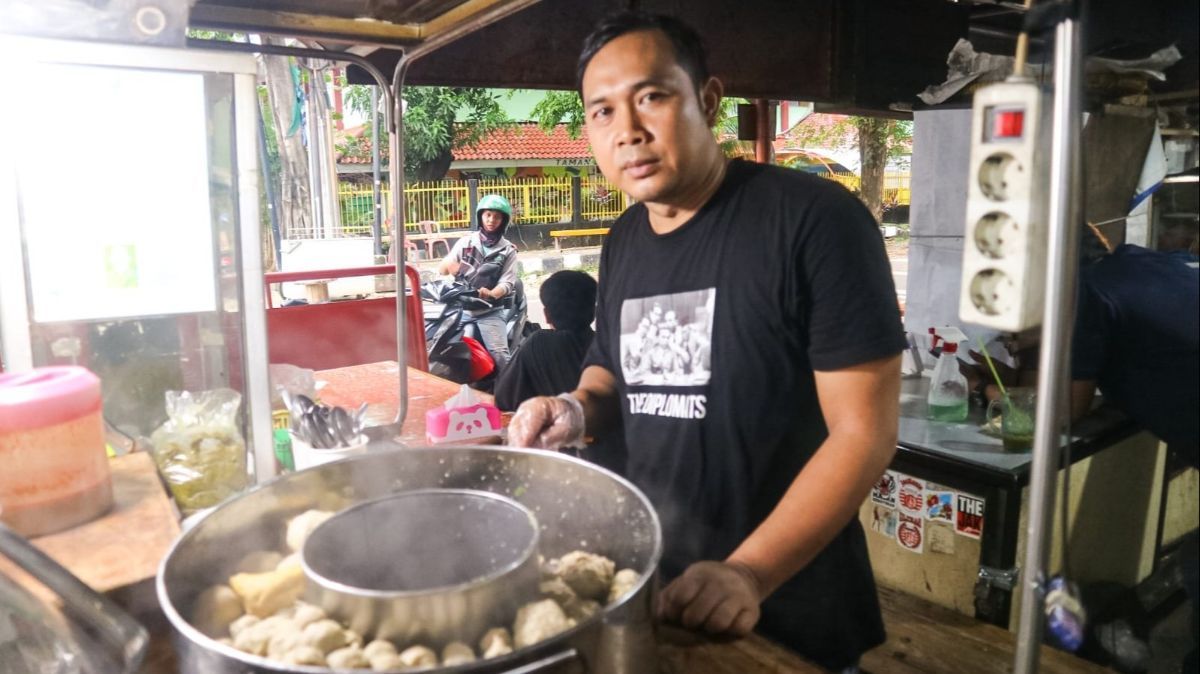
[{"x": 666, "y": 339}]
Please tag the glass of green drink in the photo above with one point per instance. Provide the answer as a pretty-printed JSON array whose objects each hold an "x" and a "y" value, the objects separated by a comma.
[{"x": 1016, "y": 418}]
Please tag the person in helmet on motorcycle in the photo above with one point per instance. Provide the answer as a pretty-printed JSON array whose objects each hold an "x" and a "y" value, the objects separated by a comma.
[{"x": 487, "y": 261}]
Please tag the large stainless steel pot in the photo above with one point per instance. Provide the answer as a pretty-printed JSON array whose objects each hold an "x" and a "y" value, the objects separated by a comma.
[{"x": 578, "y": 506}]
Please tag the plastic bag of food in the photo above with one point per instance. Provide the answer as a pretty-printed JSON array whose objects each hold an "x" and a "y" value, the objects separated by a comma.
[{"x": 199, "y": 450}]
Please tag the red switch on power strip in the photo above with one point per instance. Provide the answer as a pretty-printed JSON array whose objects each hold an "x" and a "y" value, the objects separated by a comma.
[{"x": 1008, "y": 124}]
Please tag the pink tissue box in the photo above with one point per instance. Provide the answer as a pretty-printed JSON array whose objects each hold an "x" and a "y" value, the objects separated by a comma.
[{"x": 472, "y": 424}]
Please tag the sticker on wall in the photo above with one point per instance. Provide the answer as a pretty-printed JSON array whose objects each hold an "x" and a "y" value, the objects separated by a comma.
[
  {"x": 884, "y": 491},
  {"x": 939, "y": 504},
  {"x": 883, "y": 520},
  {"x": 969, "y": 516},
  {"x": 911, "y": 496},
  {"x": 941, "y": 538},
  {"x": 910, "y": 533}
]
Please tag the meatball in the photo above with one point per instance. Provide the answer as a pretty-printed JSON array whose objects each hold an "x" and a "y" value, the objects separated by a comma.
[
  {"x": 217, "y": 608},
  {"x": 418, "y": 656},
  {"x": 326, "y": 635},
  {"x": 306, "y": 614},
  {"x": 242, "y": 623},
  {"x": 457, "y": 653},
  {"x": 387, "y": 661},
  {"x": 495, "y": 642},
  {"x": 379, "y": 647},
  {"x": 304, "y": 655},
  {"x": 350, "y": 657},
  {"x": 257, "y": 637},
  {"x": 299, "y": 528},
  {"x": 539, "y": 621},
  {"x": 588, "y": 574},
  {"x": 623, "y": 583}
]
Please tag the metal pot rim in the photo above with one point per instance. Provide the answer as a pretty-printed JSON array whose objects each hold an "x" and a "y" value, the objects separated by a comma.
[{"x": 367, "y": 593}]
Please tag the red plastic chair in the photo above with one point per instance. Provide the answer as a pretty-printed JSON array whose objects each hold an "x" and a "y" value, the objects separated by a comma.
[{"x": 429, "y": 228}]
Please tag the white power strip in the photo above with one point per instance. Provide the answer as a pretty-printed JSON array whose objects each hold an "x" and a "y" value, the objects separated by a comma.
[{"x": 1004, "y": 251}]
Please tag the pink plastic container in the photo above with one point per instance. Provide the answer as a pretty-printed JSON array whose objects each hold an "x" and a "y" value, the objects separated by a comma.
[
  {"x": 53, "y": 466},
  {"x": 473, "y": 424}
]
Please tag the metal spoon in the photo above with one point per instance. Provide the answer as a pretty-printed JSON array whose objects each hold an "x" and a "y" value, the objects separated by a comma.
[
  {"x": 320, "y": 436},
  {"x": 344, "y": 425},
  {"x": 305, "y": 403}
]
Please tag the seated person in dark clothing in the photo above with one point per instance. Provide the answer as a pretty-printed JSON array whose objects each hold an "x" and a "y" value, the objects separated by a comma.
[
  {"x": 1137, "y": 337},
  {"x": 549, "y": 362}
]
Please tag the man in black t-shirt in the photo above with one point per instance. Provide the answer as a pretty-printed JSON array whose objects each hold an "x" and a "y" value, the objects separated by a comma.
[{"x": 748, "y": 336}]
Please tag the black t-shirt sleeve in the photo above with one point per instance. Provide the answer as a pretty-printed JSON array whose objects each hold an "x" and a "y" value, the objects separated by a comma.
[
  {"x": 597, "y": 353},
  {"x": 846, "y": 296},
  {"x": 512, "y": 385}
]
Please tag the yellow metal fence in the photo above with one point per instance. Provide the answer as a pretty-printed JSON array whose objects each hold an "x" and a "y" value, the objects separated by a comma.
[
  {"x": 534, "y": 200},
  {"x": 447, "y": 202},
  {"x": 896, "y": 185}
]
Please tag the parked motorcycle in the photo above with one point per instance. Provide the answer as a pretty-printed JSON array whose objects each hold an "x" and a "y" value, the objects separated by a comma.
[{"x": 454, "y": 342}]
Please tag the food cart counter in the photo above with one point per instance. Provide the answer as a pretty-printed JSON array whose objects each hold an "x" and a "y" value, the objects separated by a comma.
[{"x": 947, "y": 521}]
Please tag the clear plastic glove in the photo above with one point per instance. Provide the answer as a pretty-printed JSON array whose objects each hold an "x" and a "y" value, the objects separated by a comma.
[{"x": 548, "y": 423}]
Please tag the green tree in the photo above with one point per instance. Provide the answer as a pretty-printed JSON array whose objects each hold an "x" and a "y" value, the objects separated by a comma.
[
  {"x": 560, "y": 107},
  {"x": 877, "y": 139},
  {"x": 437, "y": 120}
]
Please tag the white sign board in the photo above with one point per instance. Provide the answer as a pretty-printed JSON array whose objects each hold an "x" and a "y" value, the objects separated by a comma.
[{"x": 114, "y": 193}]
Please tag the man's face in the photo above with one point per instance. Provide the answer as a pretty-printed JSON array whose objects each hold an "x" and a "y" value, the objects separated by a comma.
[
  {"x": 649, "y": 128},
  {"x": 491, "y": 220}
]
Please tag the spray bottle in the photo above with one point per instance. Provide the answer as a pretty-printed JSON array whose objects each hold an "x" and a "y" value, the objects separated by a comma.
[{"x": 948, "y": 389}]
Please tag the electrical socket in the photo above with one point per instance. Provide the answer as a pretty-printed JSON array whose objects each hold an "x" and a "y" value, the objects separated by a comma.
[
  {"x": 993, "y": 292},
  {"x": 997, "y": 235}
]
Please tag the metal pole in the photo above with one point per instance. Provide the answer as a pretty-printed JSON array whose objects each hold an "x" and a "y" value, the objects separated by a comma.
[
  {"x": 377, "y": 230},
  {"x": 1057, "y": 324},
  {"x": 394, "y": 120},
  {"x": 396, "y": 181}
]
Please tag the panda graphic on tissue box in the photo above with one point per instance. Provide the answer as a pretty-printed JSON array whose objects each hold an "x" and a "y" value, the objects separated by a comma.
[{"x": 463, "y": 419}]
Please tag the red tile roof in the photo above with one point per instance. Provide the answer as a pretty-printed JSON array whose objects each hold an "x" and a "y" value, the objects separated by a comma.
[
  {"x": 521, "y": 141},
  {"x": 526, "y": 141}
]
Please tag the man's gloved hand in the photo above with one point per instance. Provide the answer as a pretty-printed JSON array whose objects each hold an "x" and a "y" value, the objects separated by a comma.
[
  {"x": 717, "y": 597},
  {"x": 548, "y": 423}
]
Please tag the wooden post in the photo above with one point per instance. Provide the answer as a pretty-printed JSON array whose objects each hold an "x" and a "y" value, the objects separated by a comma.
[
  {"x": 472, "y": 200},
  {"x": 765, "y": 128}
]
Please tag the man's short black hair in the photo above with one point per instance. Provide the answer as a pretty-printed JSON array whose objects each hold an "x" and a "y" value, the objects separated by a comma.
[
  {"x": 689, "y": 48},
  {"x": 570, "y": 299}
]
